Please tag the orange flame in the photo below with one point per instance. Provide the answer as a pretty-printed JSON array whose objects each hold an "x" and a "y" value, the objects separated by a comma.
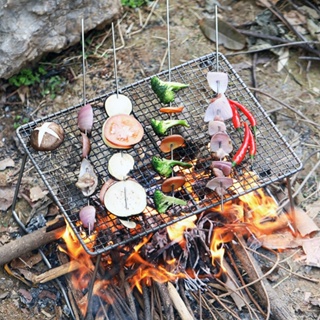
[{"x": 176, "y": 230}]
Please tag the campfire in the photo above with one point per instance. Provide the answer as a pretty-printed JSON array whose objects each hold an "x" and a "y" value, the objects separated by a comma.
[{"x": 191, "y": 269}]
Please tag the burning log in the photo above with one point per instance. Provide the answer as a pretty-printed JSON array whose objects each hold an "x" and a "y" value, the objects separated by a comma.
[{"x": 31, "y": 241}]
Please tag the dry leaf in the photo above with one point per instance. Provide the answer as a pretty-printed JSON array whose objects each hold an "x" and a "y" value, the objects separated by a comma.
[
  {"x": 304, "y": 224},
  {"x": 36, "y": 193},
  {"x": 311, "y": 248},
  {"x": 6, "y": 197},
  {"x": 283, "y": 240},
  {"x": 6, "y": 163},
  {"x": 228, "y": 36}
]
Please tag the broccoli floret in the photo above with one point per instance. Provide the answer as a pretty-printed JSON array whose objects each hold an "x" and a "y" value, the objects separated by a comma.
[
  {"x": 163, "y": 202},
  {"x": 164, "y": 166},
  {"x": 161, "y": 127},
  {"x": 165, "y": 89}
]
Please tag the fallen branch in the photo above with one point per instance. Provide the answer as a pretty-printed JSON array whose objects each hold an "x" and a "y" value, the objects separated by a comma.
[
  {"x": 56, "y": 272},
  {"x": 278, "y": 306},
  {"x": 31, "y": 241}
]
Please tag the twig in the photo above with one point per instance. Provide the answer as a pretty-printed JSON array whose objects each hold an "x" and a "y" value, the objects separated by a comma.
[
  {"x": 282, "y": 267},
  {"x": 155, "y": 3},
  {"x": 295, "y": 43},
  {"x": 298, "y": 112}
]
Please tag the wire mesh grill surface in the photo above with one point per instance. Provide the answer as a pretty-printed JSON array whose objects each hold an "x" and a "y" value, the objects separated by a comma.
[{"x": 60, "y": 168}]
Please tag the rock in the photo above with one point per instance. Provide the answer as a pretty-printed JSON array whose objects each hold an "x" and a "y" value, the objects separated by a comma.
[{"x": 31, "y": 28}]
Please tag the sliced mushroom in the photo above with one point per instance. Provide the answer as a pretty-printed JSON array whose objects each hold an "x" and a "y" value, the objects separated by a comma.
[
  {"x": 221, "y": 144},
  {"x": 218, "y": 81},
  {"x": 224, "y": 166},
  {"x": 219, "y": 107},
  {"x": 216, "y": 126},
  {"x": 87, "y": 180},
  {"x": 173, "y": 183},
  {"x": 220, "y": 184},
  {"x": 172, "y": 142},
  {"x": 120, "y": 164}
]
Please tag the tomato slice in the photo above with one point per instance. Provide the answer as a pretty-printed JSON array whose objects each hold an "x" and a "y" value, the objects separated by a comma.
[{"x": 123, "y": 130}]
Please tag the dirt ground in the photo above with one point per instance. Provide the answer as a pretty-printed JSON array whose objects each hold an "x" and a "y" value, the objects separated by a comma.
[{"x": 290, "y": 96}]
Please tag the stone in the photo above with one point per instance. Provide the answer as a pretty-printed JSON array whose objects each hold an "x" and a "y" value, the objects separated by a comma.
[{"x": 31, "y": 28}]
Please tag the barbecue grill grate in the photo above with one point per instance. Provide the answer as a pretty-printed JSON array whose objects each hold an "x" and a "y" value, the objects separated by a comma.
[{"x": 59, "y": 169}]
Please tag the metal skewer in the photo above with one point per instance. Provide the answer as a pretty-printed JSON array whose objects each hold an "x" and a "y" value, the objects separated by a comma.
[
  {"x": 217, "y": 69},
  {"x": 115, "y": 60},
  {"x": 117, "y": 93},
  {"x": 83, "y": 64}
]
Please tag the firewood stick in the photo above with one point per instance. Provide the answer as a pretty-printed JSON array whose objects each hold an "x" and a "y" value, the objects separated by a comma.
[
  {"x": 56, "y": 272},
  {"x": 31, "y": 241},
  {"x": 279, "y": 306},
  {"x": 164, "y": 296},
  {"x": 178, "y": 303}
]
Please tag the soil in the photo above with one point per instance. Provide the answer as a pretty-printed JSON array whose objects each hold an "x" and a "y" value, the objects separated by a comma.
[{"x": 289, "y": 96}]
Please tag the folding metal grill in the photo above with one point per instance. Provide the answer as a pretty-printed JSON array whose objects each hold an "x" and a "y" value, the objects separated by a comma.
[{"x": 59, "y": 169}]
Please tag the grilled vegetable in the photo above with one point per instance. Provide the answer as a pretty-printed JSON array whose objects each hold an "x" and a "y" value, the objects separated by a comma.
[
  {"x": 173, "y": 183},
  {"x": 85, "y": 118},
  {"x": 125, "y": 198},
  {"x": 218, "y": 81},
  {"x": 220, "y": 184},
  {"x": 87, "y": 216},
  {"x": 120, "y": 164},
  {"x": 123, "y": 130},
  {"x": 163, "y": 202},
  {"x": 87, "y": 180},
  {"x": 235, "y": 117},
  {"x": 117, "y": 104},
  {"x": 171, "y": 109},
  {"x": 218, "y": 107},
  {"x": 165, "y": 90},
  {"x": 161, "y": 127},
  {"x": 164, "y": 166},
  {"x": 47, "y": 137},
  {"x": 252, "y": 145},
  {"x": 172, "y": 142},
  {"x": 240, "y": 154},
  {"x": 246, "y": 112}
]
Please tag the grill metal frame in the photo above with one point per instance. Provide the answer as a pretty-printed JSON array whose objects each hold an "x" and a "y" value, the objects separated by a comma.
[{"x": 59, "y": 169}]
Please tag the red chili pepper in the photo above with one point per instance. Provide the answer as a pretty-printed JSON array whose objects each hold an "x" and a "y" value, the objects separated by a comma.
[
  {"x": 240, "y": 154},
  {"x": 247, "y": 113},
  {"x": 252, "y": 145},
  {"x": 235, "y": 117}
]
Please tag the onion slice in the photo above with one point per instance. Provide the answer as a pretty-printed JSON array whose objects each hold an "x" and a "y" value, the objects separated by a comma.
[
  {"x": 125, "y": 198},
  {"x": 118, "y": 104},
  {"x": 219, "y": 107},
  {"x": 85, "y": 118},
  {"x": 120, "y": 164},
  {"x": 87, "y": 216},
  {"x": 218, "y": 81}
]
